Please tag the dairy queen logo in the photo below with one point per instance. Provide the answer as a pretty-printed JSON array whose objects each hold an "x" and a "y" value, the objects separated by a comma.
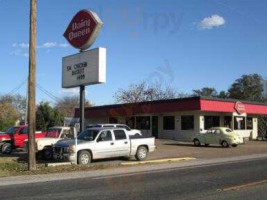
[
  {"x": 83, "y": 29},
  {"x": 240, "y": 107}
]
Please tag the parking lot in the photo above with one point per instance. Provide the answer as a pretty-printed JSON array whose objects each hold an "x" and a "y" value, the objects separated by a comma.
[{"x": 174, "y": 149}]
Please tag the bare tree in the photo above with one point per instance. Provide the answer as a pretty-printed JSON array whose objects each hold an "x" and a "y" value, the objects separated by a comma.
[
  {"x": 67, "y": 105},
  {"x": 143, "y": 91}
]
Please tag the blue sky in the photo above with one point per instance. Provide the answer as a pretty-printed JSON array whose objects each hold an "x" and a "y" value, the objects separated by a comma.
[{"x": 185, "y": 44}]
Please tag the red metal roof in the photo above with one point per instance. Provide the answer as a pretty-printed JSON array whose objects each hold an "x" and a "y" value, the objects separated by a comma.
[
  {"x": 173, "y": 105},
  {"x": 229, "y": 106}
]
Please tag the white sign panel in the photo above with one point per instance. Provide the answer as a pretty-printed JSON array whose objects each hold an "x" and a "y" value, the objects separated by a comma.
[{"x": 86, "y": 68}]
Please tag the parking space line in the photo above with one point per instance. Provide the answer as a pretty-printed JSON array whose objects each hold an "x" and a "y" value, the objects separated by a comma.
[{"x": 159, "y": 161}]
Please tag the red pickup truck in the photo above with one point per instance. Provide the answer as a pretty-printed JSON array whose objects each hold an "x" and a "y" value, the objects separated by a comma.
[{"x": 14, "y": 138}]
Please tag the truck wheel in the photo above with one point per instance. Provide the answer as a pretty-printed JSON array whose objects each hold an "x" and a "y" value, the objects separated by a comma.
[
  {"x": 48, "y": 154},
  {"x": 1, "y": 144},
  {"x": 7, "y": 148},
  {"x": 196, "y": 142},
  {"x": 141, "y": 153},
  {"x": 84, "y": 158}
]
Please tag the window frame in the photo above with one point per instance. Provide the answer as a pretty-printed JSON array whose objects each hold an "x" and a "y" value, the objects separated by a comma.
[
  {"x": 211, "y": 117},
  {"x": 188, "y": 128},
  {"x": 168, "y": 123}
]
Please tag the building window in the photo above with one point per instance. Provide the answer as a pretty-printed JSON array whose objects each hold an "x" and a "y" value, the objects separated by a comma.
[
  {"x": 130, "y": 122},
  {"x": 168, "y": 123},
  {"x": 188, "y": 122},
  {"x": 143, "y": 123},
  {"x": 249, "y": 123},
  {"x": 211, "y": 121},
  {"x": 228, "y": 121},
  {"x": 239, "y": 123}
]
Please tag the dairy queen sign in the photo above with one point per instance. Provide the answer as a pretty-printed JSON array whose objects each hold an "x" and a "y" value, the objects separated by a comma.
[
  {"x": 240, "y": 107},
  {"x": 83, "y": 29},
  {"x": 86, "y": 67}
]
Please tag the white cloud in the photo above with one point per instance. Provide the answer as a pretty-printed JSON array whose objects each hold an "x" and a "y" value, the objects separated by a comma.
[
  {"x": 19, "y": 52},
  {"x": 46, "y": 45},
  {"x": 211, "y": 22},
  {"x": 21, "y": 45}
]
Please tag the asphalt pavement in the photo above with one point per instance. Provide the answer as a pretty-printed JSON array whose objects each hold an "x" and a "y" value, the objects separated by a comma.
[{"x": 245, "y": 179}]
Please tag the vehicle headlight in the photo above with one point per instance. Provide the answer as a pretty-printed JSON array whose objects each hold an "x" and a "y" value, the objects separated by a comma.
[{"x": 72, "y": 149}]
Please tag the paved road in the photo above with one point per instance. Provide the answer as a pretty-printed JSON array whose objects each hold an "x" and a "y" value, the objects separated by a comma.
[{"x": 242, "y": 180}]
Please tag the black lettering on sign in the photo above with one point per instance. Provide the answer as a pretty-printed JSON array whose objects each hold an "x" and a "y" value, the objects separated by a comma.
[
  {"x": 77, "y": 71},
  {"x": 68, "y": 68},
  {"x": 81, "y": 77}
]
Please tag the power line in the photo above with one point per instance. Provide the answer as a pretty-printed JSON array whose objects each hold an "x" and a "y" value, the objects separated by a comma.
[{"x": 18, "y": 87}]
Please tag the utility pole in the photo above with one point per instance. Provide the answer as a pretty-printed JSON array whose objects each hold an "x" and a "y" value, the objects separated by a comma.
[
  {"x": 31, "y": 95},
  {"x": 82, "y": 103}
]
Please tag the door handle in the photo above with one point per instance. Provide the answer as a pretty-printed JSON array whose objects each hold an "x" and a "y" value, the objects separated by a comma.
[
  {"x": 112, "y": 143},
  {"x": 125, "y": 142}
]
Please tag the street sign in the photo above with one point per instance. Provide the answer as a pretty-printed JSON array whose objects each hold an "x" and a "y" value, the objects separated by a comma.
[
  {"x": 240, "y": 107},
  {"x": 85, "y": 68},
  {"x": 83, "y": 29}
]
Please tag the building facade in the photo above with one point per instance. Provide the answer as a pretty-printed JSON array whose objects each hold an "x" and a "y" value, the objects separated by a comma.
[{"x": 181, "y": 119}]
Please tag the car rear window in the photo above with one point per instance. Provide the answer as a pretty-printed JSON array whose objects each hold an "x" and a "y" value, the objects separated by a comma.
[{"x": 119, "y": 135}]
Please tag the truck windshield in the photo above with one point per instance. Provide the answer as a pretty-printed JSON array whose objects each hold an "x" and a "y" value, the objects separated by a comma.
[
  {"x": 88, "y": 135},
  {"x": 53, "y": 133},
  {"x": 12, "y": 130}
]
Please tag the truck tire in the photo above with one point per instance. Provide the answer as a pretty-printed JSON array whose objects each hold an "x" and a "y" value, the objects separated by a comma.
[
  {"x": 7, "y": 148},
  {"x": 84, "y": 158},
  {"x": 47, "y": 154},
  {"x": 1, "y": 144},
  {"x": 141, "y": 153}
]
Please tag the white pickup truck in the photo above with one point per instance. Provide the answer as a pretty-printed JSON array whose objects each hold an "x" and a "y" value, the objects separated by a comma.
[
  {"x": 100, "y": 143},
  {"x": 53, "y": 135}
]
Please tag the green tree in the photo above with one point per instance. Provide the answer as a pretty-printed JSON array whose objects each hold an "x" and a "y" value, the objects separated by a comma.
[
  {"x": 18, "y": 101},
  {"x": 8, "y": 116},
  {"x": 205, "y": 92},
  {"x": 48, "y": 116},
  {"x": 248, "y": 87}
]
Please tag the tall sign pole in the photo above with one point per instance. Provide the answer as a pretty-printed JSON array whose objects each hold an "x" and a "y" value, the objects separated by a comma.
[
  {"x": 81, "y": 34},
  {"x": 31, "y": 95},
  {"x": 82, "y": 107}
]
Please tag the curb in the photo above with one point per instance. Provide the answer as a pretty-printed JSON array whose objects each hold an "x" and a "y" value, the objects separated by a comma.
[{"x": 158, "y": 161}]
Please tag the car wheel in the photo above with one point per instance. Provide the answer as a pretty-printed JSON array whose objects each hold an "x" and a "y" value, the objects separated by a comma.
[
  {"x": 225, "y": 144},
  {"x": 141, "y": 153},
  {"x": 234, "y": 145},
  {"x": 48, "y": 154},
  {"x": 84, "y": 158},
  {"x": 196, "y": 142},
  {"x": 7, "y": 148}
]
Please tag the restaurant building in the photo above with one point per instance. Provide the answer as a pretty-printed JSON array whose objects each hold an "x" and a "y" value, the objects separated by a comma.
[{"x": 181, "y": 119}]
